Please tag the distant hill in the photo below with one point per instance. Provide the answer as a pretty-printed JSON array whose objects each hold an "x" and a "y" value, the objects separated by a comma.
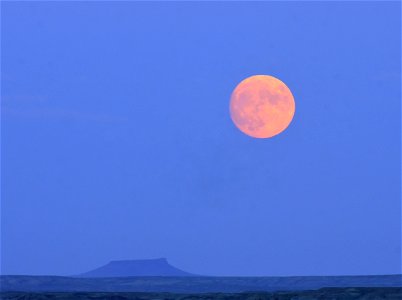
[{"x": 143, "y": 267}]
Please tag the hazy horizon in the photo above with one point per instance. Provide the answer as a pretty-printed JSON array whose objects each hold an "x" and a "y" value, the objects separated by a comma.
[{"x": 191, "y": 273}]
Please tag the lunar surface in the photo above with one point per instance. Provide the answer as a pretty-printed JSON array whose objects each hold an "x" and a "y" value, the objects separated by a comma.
[{"x": 262, "y": 106}]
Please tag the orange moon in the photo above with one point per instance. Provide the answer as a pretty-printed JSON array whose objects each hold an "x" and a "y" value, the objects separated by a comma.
[{"x": 262, "y": 106}]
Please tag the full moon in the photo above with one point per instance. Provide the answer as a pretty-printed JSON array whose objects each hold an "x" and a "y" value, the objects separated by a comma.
[{"x": 262, "y": 106}]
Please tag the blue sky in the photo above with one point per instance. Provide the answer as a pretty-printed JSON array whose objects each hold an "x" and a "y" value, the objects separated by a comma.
[{"x": 117, "y": 141}]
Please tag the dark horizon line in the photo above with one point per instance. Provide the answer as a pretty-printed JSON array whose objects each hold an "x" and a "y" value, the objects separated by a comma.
[{"x": 193, "y": 276}]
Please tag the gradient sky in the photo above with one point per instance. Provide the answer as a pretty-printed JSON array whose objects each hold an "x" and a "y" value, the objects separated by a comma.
[{"x": 117, "y": 141}]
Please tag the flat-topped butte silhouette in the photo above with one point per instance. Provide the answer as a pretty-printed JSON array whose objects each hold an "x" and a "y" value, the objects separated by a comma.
[
  {"x": 138, "y": 267},
  {"x": 158, "y": 276}
]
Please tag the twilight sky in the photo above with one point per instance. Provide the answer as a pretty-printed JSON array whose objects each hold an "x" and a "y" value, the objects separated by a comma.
[{"x": 117, "y": 141}]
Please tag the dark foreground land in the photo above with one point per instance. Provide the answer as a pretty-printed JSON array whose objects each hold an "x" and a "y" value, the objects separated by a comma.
[
  {"x": 325, "y": 294},
  {"x": 192, "y": 285}
]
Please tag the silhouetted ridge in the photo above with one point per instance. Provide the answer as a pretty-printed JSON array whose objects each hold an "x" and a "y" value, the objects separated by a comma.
[{"x": 143, "y": 267}]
